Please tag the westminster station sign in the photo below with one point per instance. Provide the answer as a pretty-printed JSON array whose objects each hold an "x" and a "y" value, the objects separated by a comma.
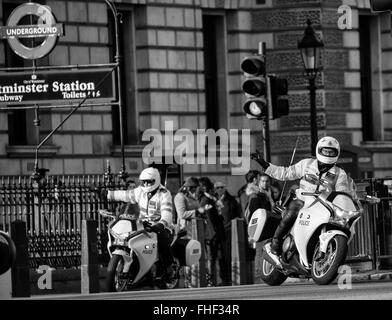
[{"x": 47, "y": 87}]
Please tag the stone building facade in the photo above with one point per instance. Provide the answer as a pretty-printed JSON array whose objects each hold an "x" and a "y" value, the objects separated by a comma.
[{"x": 181, "y": 63}]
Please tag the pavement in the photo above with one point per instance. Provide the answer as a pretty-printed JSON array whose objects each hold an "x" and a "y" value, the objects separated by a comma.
[{"x": 372, "y": 275}]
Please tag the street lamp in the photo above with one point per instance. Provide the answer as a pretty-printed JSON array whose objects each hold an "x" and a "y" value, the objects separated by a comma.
[{"x": 310, "y": 47}]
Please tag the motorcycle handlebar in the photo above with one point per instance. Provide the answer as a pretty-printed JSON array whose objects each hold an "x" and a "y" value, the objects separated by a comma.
[
  {"x": 106, "y": 214},
  {"x": 372, "y": 199},
  {"x": 310, "y": 194}
]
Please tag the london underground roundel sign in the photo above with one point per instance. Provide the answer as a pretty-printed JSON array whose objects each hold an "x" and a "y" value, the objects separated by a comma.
[{"x": 46, "y": 28}]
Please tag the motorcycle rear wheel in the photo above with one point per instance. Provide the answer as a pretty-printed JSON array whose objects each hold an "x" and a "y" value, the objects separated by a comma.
[
  {"x": 113, "y": 281},
  {"x": 325, "y": 271},
  {"x": 270, "y": 275}
]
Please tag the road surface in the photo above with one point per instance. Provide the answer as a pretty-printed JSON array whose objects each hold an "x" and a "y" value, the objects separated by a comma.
[{"x": 367, "y": 290}]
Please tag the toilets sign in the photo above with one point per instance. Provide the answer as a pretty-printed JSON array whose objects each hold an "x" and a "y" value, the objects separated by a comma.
[
  {"x": 46, "y": 29},
  {"x": 53, "y": 87}
]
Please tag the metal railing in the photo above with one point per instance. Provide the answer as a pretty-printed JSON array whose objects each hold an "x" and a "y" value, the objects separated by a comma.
[
  {"x": 55, "y": 206},
  {"x": 53, "y": 209},
  {"x": 373, "y": 238}
]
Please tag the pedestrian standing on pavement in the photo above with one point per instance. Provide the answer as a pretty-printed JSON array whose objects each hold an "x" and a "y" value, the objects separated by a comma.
[
  {"x": 187, "y": 204},
  {"x": 265, "y": 187},
  {"x": 252, "y": 178},
  {"x": 188, "y": 207},
  {"x": 214, "y": 233},
  {"x": 229, "y": 209}
]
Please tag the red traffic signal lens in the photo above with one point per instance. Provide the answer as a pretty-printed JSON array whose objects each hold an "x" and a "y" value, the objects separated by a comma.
[{"x": 253, "y": 65}]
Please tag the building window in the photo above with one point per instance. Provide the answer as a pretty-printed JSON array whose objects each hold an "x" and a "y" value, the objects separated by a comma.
[
  {"x": 371, "y": 77},
  {"x": 366, "y": 77},
  {"x": 128, "y": 76},
  {"x": 215, "y": 53},
  {"x": 21, "y": 129}
]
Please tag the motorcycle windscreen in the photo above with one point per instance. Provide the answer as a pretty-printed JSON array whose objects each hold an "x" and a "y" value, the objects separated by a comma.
[
  {"x": 344, "y": 202},
  {"x": 123, "y": 226}
]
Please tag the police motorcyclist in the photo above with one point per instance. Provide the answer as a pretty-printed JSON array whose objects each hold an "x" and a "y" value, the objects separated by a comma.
[
  {"x": 327, "y": 154},
  {"x": 155, "y": 205}
]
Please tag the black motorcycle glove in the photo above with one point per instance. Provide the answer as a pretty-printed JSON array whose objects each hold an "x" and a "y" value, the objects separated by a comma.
[
  {"x": 258, "y": 156},
  {"x": 158, "y": 227}
]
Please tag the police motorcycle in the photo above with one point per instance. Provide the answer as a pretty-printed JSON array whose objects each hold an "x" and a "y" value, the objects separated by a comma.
[
  {"x": 317, "y": 244},
  {"x": 134, "y": 260}
]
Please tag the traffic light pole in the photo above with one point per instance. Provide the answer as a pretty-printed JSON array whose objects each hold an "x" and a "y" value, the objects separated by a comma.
[
  {"x": 265, "y": 122},
  {"x": 266, "y": 137}
]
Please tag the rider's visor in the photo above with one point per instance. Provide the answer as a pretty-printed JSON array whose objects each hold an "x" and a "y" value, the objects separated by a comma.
[
  {"x": 147, "y": 182},
  {"x": 328, "y": 152}
]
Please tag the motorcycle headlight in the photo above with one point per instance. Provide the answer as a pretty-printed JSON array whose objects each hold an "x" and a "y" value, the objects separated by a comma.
[
  {"x": 344, "y": 214},
  {"x": 120, "y": 236}
]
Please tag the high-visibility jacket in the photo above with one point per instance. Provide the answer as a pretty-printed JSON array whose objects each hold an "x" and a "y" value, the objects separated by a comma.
[
  {"x": 335, "y": 175},
  {"x": 154, "y": 207}
]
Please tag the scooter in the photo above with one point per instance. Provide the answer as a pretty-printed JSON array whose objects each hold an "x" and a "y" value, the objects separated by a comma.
[
  {"x": 133, "y": 251},
  {"x": 318, "y": 242}
]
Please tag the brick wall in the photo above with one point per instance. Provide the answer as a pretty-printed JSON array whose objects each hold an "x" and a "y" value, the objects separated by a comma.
[{"x": 170, "y": 77}]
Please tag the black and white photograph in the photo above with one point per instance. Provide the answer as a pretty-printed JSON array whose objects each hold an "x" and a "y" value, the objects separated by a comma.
[{"x": 192, "y": 157}]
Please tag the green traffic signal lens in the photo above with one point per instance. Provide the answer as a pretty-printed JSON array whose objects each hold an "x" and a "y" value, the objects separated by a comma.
[{"x": 254, "y": 109}]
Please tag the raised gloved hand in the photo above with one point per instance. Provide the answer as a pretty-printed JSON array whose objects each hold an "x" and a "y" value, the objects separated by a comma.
[{"x": 258, "y": 156}]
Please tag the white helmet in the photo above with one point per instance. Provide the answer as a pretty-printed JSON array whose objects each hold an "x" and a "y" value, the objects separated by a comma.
[
  {"x": 328, "y": 150},
  {"x": 152, "y": 179}
]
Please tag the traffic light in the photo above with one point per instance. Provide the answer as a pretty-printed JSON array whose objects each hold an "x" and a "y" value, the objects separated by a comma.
[
  {"x": 255, "y": 87},
  {"x": 381, "y": 5},
  {"x": 279, "y": 103}
]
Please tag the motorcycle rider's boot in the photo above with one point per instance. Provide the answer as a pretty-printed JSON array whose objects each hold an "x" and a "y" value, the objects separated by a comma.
[
  {"x": 276, "y": 246},
  {"x": 283, "y": 228},
  {"x": 168, "y": 274}
]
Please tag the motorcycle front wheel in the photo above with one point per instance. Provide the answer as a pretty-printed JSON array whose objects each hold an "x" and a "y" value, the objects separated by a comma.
[
  {"x": 325, "y": 270},
  {"x": 115, "y": 282},
  {"x": 270, "y": 275}
]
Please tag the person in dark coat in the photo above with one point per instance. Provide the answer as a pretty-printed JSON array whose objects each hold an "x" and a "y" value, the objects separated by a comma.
[
  {"x": 229, "y": 209},
  {"x": 252, "y": 178},
  {"x": 214, "y": 233}
]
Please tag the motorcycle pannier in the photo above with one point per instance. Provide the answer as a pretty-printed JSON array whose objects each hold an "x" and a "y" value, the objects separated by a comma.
[
  {"x": 262, "y": 225},
  {"x": 187, "y": 251}
]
